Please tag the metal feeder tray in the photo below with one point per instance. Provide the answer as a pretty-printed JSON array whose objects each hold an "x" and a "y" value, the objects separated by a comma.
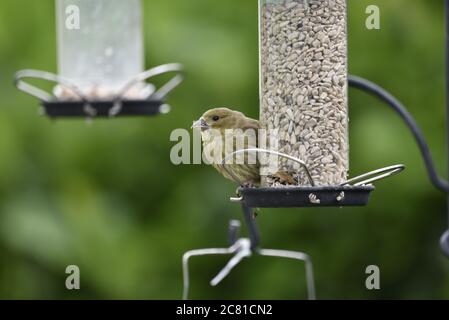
[
  {"x": 58, "y": 109},
  {"x": 354, "y": 192},
  {"x": 301, "y": 197},
  {"x": 116, "y": 106}
]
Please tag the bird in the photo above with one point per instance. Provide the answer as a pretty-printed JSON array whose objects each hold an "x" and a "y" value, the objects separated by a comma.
[{"x": 221, "y": 125}]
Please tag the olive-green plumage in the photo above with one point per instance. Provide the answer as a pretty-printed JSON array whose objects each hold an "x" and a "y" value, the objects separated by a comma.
[{"x": 221, "y": 125}]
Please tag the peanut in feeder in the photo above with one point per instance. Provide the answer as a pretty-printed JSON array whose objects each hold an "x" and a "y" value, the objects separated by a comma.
[{"x": 101, "y": 64}]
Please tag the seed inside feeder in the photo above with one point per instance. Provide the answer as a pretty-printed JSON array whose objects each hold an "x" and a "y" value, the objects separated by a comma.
[{"x": 303, "y": 47}]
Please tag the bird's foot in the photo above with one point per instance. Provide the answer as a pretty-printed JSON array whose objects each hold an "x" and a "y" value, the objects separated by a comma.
[{"x": 248, "y": 185}]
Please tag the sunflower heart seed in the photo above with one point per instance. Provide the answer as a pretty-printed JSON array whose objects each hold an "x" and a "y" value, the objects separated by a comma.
[{"x": 303, "y": 47}]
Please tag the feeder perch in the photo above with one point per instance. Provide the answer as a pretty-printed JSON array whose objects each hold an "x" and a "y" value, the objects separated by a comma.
[{"x": 101, "y": 64}]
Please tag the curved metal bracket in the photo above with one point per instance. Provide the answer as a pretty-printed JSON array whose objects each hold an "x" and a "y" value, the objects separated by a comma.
[
  {"x": 375, "y": 175},
  {"x": 310, "y": 279},
  {"x": 159, "y": 94},
  {"x": 444, "y": 243},
  {"x": 39, "y": 93},
  {"x": 258, "y": 150},
  {"x": 242, "y": 249},
  {"x": 151, "y": 73},
  {"x": 19, "y": 81},
  {"x": 398, "y": 107},
  {"x": 202, "y": 252}
]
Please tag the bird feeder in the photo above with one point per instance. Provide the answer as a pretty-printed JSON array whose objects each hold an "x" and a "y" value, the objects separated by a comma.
[
  {"x": 101, "y": 63},
  {"x": 304, "y": 107},
  {"x": 304, "y": 110}
]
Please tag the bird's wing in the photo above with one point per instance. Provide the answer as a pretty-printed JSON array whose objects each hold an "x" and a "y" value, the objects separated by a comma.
[
  {"x": 250, "y": 124},
  {"x": 283, "y": 176}
]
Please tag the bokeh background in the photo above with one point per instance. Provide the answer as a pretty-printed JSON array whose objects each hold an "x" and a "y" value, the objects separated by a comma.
[{"x": 107, "y": 198}]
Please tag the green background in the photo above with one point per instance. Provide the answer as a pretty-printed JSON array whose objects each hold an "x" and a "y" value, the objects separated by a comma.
[{"x": 106, "y": 197}]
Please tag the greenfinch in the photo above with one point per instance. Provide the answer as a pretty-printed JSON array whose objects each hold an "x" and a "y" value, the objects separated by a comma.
[{"x": 224, "y": 131}]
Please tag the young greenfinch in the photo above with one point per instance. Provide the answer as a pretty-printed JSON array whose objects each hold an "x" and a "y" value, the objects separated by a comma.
[{"x": 221, "y": 126}]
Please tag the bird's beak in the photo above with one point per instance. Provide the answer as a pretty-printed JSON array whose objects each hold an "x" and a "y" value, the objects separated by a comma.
[{"x": 200, "y": 124}]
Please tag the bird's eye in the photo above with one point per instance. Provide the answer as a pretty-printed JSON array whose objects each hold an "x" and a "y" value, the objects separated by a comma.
[{"x": 216, "y": 118}]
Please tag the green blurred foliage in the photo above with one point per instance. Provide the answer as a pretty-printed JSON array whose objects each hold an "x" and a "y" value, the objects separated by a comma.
[{"x": 107, "y": 198}]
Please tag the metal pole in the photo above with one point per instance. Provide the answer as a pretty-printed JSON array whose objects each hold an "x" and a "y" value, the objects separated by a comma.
[
  {"x": 444, "y": 242},
  {"x": 253, "y": 230},
  {"x": 447, "y": 79}
]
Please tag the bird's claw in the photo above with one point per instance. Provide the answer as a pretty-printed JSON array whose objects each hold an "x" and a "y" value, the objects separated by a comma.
[{"x": 248, "y": 185}]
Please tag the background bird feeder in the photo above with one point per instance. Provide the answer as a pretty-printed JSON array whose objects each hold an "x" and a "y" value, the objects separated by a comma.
[{"x": 101, "y": 63}]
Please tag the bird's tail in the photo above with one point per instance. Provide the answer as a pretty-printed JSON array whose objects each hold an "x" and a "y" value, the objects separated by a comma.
[{"x": 285, "y": 177}]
